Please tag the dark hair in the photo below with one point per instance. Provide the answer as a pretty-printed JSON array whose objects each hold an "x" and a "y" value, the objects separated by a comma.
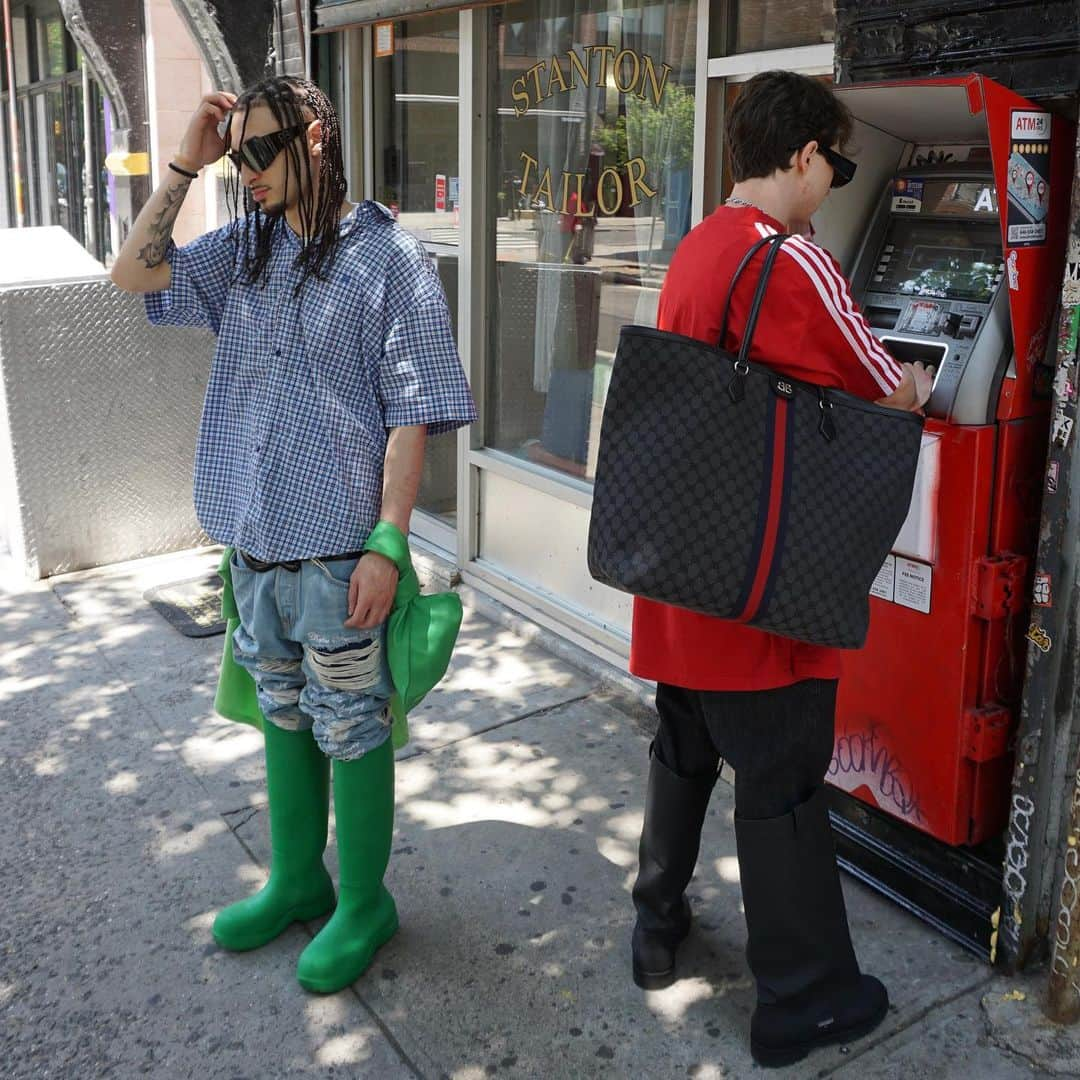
[
  {"x": 293, "y": 101},
  {"x": 777, "y": 113}
]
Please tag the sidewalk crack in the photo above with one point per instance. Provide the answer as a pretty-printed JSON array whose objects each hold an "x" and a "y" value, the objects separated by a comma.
[
  {"x": 248, "y": 811},
  {"x": 422, "y": 750},
  {"x": 862, "y": 1047}
]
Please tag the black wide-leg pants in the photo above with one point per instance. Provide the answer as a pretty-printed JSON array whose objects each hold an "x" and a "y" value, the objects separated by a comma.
[{"x": 779, "y": 742}]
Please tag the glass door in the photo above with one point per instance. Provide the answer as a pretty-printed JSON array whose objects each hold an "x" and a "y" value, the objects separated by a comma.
[{"x": 415, "y": 165}]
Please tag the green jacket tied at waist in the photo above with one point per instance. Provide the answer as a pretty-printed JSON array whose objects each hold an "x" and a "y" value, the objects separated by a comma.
[{"x": 420, "y": 636}]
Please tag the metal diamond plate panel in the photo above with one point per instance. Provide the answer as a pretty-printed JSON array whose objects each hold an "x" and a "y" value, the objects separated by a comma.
[{"x": 102, "y": 413}]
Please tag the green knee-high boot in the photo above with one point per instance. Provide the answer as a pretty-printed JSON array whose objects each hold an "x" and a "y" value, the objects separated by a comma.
[
  {"x": 299, "y": 889},
  {"x": 366, "y": 917}
]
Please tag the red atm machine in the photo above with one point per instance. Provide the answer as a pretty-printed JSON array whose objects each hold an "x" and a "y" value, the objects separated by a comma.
[{"x": 953, "y": 235}]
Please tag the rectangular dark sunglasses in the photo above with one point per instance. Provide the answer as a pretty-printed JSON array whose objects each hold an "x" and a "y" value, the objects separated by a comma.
[
  {"x": 259, "y": 151},
  {"x": 843, "y": 168}
]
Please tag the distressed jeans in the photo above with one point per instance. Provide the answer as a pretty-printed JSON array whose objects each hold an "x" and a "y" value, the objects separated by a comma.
[{"x": 311, "y": 671}]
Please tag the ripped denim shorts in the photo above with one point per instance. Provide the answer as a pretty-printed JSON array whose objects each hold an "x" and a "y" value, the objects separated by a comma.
[{"x": 311, "y": 671}]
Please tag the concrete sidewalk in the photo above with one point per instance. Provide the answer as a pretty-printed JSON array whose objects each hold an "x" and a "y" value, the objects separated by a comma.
[{"x": 132, "y": 813}]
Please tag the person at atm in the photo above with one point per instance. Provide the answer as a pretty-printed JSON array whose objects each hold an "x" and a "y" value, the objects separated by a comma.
[{"x": 764, "y": 703}]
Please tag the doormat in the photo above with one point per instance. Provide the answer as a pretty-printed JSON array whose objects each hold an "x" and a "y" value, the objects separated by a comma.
[{"x": 193, "y": 607}]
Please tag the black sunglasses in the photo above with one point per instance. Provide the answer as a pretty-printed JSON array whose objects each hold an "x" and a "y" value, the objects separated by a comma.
[
  {"x": 843, "y": 169},
  {"x": 259, "y": 151}
]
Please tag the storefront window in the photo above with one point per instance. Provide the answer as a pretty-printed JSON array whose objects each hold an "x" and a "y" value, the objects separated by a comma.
[
  {"x": 415, "y": 128},
  {"x": 52, "y": 52},
  {"x": 20, "y": 40},
  {"x": 49, "y": 168},
  {"x": 7, "y": 218},
  {"x": 759, "y": 25},
  {"x": 52, "y": 136},
  {"x": 593, "y": 148}
]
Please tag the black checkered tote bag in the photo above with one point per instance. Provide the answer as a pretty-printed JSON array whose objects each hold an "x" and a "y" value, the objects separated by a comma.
[{"x": 725, "y": 488}]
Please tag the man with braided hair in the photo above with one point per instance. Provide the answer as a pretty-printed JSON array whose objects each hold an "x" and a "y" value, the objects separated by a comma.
[{"x": 335, "y": 359}]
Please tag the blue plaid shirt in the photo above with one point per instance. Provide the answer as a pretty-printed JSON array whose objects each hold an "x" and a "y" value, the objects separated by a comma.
[{"x": 303, "y": 390}]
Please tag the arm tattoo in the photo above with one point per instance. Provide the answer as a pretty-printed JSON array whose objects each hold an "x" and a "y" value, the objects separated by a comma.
[{"x": 160, "y": 230}]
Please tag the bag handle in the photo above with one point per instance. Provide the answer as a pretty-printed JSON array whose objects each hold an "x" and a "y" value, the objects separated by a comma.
[
  {"x": 775, "y": 243},
  {"x": 737, "y": 387},
  {"x": 746, "y": 260}
]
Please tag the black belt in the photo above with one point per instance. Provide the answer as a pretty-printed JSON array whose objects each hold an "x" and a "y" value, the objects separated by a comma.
[{"x": 293, "y": 565}]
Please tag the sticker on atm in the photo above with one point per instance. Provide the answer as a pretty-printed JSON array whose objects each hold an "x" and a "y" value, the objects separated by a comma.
[
  {"x": 914, "y": 581},
  {"x": 1029, "y": 178},
  {"x": 907, "y": 196},
  {"x": 885, "y": 583}
]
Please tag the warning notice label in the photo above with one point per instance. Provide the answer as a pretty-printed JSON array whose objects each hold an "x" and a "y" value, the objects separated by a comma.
[
  {"x": 884, "y": 582},
  {"x": 1028, "y": 178},
  {"x": 913, "y": 585}
]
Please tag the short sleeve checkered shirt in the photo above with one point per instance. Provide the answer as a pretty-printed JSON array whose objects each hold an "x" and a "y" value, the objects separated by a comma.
[{"x": 303, "y": 389}]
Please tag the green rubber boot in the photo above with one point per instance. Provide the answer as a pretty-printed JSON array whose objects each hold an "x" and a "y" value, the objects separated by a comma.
[
  {"x": 366, "y": 917},
  {"x": 299, "y": 889}
]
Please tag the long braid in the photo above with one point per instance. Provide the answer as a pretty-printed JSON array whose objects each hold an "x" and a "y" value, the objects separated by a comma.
[{"x": 294, "y": 101}]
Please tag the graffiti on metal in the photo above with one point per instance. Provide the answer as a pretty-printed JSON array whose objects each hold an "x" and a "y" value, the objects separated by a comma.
[
  {"x": 1064, "y": 989},
  {"x": 1016, "y": 864},
  {"x": 862, "y": 759}
]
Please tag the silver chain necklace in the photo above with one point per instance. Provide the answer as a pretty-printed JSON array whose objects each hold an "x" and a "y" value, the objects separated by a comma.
[{"x": 735, "y": 200}]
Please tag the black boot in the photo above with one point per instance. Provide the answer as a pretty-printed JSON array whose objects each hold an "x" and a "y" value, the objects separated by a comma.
[
  {"x": 674, "y": 812},
  {"x": 810, "y": 991}
]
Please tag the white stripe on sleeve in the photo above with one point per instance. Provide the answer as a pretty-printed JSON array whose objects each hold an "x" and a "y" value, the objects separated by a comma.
[
  {"x": 839, "y": 288},
  {"x": 832, "y": 289}
]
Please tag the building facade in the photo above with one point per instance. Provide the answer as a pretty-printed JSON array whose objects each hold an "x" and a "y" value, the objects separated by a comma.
[
  {"x": 550, "y": 155},
  {"x": 103, "y": 92}
]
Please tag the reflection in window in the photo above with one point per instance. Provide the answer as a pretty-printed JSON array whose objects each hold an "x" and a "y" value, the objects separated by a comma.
[
  {"x": 593, "y": 148},
  {"x": 416, "y": 177},
  {"x": 416, "y": 126},
  {"x": 52, "y": 50}
]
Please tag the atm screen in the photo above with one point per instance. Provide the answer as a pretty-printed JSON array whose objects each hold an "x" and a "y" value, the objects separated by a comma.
[{"x": 953, "y": 260}]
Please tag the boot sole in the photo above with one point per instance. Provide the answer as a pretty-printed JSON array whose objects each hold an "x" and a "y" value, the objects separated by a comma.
[
  {"x": 332, "y": 986},
  {"x": 300, "y": 914},
  {"x": 654, "y": 980},
  {"x": 776, "y": 1057},
  {"x": 659, "y": 980}
]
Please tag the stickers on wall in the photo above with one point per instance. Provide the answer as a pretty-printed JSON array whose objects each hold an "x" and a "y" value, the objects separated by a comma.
[
  {"x": 904, "y": 582},
  {"x": 907, "y": 196},
  {"x": 1061, "y": 429},
  {"x": 1042, "y": 595},
  {"x": 1039, "y": 638},
  {"x": 1028, "y": 178},
  {"x": 1014, "y": 272},
  {"x": 1053, "y": 470}
]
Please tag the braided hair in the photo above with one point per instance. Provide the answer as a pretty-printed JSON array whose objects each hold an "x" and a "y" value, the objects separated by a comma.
[{"x": 293, "y": 101}]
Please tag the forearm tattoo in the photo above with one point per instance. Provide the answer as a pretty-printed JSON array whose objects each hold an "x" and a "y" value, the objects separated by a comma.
[{"x": 160, "y": 230}]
